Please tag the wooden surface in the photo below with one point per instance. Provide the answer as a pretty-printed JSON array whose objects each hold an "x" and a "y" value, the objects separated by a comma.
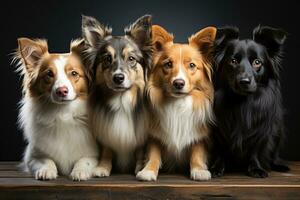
[{"x": 18, "y": 185}]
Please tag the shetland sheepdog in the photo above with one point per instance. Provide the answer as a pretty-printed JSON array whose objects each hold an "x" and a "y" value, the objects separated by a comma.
[
  {"x": 248, "y": 103},
  {"x": 117, "y": 114},
  {"x": 180, "y": 96},
  {"x": 53, "y": 112}
]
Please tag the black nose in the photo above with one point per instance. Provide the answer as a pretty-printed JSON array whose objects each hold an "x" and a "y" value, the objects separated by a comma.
[
  {"x": 178, "y": 83},
  {"x": 245, "y": 81},
  {"x": 118, "y": 78}
]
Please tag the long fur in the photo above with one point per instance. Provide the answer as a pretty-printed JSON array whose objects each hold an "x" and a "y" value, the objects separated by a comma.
[
  {"x": 250, "y": 128},
  {"x": 57, "y": 135}
]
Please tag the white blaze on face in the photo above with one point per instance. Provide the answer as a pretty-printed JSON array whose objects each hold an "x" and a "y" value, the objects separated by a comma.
[
  {"x": 62, "y": 81},
  {"x": 181, "y": 73}
]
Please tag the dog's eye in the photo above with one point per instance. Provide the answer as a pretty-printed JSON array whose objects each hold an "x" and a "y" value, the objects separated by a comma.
[
  {"x": 108, "y": 59},
  {"x": 50, "y": 74},
  {"x": 192, "y": 65},
  {"x": 233, "y": 61},
  {"x": 131, "y": 58},
  {"x": 168, "y": 65},
  {"x": 256, "y": 63},
  {"x": 74, "y": 73}
]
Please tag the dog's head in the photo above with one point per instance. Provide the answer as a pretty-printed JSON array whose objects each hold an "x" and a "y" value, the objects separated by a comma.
[
  {"x": 118, "y": 62},
  {"x": 57, "y": 78},
  {"x": 179, "y": 69},
  {"x": 244, "y": 65}
]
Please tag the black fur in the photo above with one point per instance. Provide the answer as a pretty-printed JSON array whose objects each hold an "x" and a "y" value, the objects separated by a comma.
[{"x": 248, "y": 103}]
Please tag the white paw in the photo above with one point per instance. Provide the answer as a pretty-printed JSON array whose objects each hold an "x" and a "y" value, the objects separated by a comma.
[
  {"x": 200, "y": 175},
  {"x": 46, "y": 174},
  {"x": 146, "y": 175},
  {"x": 80, "y": 174},
  {"x": 101, "y": 172}
]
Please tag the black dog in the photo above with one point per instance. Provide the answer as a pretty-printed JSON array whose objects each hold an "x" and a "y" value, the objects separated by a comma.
[{"x": 248, "y": 107}]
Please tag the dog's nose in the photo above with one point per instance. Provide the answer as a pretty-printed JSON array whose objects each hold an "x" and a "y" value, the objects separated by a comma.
[
  {"x": 62, "y": 91},
  {"x": 118, "y": 78},
  {"x": 178, "y": 83},
  {"x": 245, "y": 81}
]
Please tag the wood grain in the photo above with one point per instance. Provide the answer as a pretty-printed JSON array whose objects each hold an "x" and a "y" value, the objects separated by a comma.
[{"x": 15, "y": 184}]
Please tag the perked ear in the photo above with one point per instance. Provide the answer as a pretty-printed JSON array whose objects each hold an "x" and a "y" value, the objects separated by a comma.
[
  {"x": 204, "y": 39},
  {"x": 226, "y": 34},
  {"x": 271, "y": 38},
  {"x": 93, "y": 32},
  {"x": 160, "y": 37},
  {"x": 140, "y": 31},
  {"x": 31, "y": 51},
  {"x": 77, "y": 46}
]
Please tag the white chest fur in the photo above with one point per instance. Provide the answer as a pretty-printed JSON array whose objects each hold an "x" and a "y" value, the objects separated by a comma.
[
  {"x": 179, "y": 124},
  {"x": 119, "y": 130},
  {"x": 59, "y": 132}
]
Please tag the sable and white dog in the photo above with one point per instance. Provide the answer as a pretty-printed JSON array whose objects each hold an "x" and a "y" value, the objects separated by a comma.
[
  {"x": 117, "y": 113},
  {"x": 53, "y": 111},
  {"x": 180, "y": 95}
]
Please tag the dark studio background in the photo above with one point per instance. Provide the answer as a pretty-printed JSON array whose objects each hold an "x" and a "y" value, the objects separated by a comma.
[{"x": 60, "y": 21}]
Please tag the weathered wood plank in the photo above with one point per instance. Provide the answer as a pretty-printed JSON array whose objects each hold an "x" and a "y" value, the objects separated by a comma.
[{"x": 15, "y": 184}]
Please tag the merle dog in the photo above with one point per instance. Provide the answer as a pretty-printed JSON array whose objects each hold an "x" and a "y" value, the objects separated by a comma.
[{"x": 248, "y": 107}]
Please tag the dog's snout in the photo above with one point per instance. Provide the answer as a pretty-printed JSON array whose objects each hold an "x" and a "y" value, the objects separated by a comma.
[
  {"x": 178, "y": 84},
  {"x": 245, "y": 81},
  {"x": 62, "y": 91},
  {"x": 118, "y": 78}
]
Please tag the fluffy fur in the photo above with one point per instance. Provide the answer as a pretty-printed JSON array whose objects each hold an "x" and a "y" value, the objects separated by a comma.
[
  {"x": 55, "y": 125},
  {"x": 180, "y": 96},
  {"x": 117, "y": 66},
  {"x": 248, "y": 105}
]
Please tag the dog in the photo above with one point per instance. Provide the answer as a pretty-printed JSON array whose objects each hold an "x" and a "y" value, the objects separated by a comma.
[
  {"x": 53, "y": 113},
  {"x": 118, "y": 65},
  {"x": 180, "y": 96},
  {"x": 248, "y": 102}
]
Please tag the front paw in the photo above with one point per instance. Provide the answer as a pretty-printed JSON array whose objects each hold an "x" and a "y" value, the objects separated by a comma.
[
  {"x": 146, "y": 175},
  {"x": 200, "y": 175},
  {"x": 46, "y": 174},
  {"x": 217, "y": 171},
  {"x": 101, "y": 172},
  {"x": 257, "y": 173},
  {"x": 80, "y": 174}
]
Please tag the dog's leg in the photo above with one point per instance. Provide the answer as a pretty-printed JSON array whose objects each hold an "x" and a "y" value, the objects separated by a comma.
[
  {"x": 198, "y": 167},
  {"x": 43, "y": 168},
  {"x": 38, "y": 164},
  {"x": 139, "y": 155},
  {"x": 150, "y": 171},
  {"x": 255, "y": 169},
  {"x": 277, "y": 164},
  {"x": 105, "y": 163},
  {"x": 82, "y": 169},
  {"x": 218, "y": 167}
]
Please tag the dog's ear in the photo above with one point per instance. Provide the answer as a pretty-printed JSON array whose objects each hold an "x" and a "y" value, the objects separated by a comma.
[
  {"x": 140, "y": 31},
  {"x": 160, "y": 37},
  {"x": 31, "y": 51},
  {"x": 204, "y": 40},
  {"x": 226, "y": 34},
  {"x": 271, "y": 38},
  {"x": 93, "y": 32},
  {"x": 77, "y": 46}
]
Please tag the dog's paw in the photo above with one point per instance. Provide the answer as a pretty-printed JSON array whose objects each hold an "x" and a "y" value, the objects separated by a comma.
[
  {"x": 257, "y": 173},
  {"x": 200, "y": 175},
  {"x": 217, "y": 172},
  {"x": 101, "y": 172},
  {"x": 46, "y": 174},
  {"x": 146, "y": 175},
  {"x": 80, "y": 174}
]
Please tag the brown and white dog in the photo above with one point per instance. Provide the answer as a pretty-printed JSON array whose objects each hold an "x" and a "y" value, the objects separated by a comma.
[
  {"x": 180, "y": 94},
  {"x": 117, "y": 113},
  {"x": 53, "y": 111}
]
